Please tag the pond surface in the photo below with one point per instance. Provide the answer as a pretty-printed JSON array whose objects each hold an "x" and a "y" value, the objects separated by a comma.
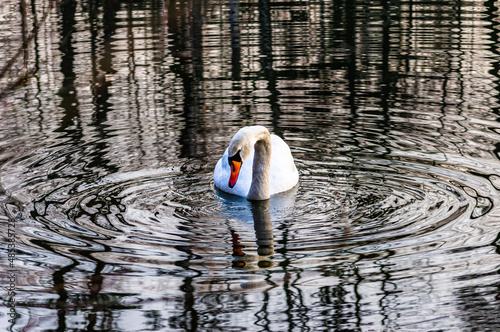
[{"x": 108, "y": 210}]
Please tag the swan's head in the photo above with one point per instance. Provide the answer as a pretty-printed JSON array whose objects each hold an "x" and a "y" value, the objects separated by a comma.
[{"x": 239, "y": 149}]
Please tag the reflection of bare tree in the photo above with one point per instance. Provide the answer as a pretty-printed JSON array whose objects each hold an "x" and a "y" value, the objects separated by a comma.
[
  {"x": 235, "y": 41},
  {"x": 62, "y": 304},
  {"x": 68, "y": 301},
  {"x": 28, "y": 37},
  {"x": 70, "y": 104},
  {"x": 189, "y": 319},
  {"x": 480, "y": 302},
  {"x": 185, "y": 23},
  {"x": 71, "y": 124},
  {"x": 67, "y": 90},
  {"x": 267, "y": 66},
  {"x": 296, "y": 313}
]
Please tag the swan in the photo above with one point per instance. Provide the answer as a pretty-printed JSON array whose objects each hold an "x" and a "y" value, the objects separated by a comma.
[{"x": 256, "y": 165}]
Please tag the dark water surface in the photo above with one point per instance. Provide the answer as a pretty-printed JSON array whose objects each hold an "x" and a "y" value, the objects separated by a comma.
[{"x": 108, "y": 212}]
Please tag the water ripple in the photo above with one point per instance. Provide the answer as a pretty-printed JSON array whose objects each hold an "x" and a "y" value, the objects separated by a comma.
[{"x": 342, "y": 204}]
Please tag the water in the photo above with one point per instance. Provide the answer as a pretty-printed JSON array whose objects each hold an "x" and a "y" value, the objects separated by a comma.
[{"x": 390, "y": 108}]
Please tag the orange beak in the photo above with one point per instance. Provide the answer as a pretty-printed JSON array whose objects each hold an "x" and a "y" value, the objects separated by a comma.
[{"x": 235, "y": 171}]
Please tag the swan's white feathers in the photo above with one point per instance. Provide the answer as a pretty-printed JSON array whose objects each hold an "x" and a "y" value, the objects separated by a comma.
[{"x": 283, "y": 173}]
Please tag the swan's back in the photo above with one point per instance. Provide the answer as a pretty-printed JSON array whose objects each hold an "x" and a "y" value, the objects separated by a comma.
[{"x": 284, "y": 175}]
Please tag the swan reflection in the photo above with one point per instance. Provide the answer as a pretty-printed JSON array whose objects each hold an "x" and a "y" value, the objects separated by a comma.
[
  {"x": 264, "y": 238},
  {"x": 261, "y": 214}
]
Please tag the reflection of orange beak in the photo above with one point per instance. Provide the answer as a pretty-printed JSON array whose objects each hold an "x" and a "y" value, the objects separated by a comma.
[{"x": 235, "y": 171}]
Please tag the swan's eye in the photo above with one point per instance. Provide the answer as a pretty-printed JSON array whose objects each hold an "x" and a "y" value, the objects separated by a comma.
[{"x": 236, "y": 157}]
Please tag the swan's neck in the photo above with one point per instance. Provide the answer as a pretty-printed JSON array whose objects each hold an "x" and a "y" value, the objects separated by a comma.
[{"x": 259, "y": 190}]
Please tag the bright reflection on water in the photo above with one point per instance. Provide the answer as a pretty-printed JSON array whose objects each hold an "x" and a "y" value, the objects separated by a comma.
[{"x": 391, "y": 110}]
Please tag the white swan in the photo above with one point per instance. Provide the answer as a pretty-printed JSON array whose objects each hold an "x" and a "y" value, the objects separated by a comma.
[{"x": 256, "y": 165}]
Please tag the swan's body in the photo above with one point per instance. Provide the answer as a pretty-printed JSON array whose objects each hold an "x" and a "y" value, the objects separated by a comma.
[{"x": 256, "y": 165}]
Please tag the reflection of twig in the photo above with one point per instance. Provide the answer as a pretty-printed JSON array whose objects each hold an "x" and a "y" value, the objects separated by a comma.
[
  {"x": 24, "y": 49},
  {"x": 24, "y": 25}
]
